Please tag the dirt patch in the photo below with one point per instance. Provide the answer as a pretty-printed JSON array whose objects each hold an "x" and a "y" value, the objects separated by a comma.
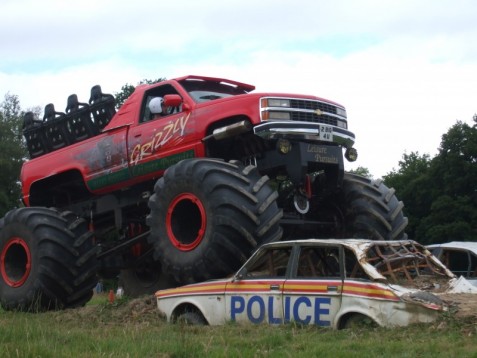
[
  {"x": 461, "y": 304},
  {"x": 134, "y": 311}
]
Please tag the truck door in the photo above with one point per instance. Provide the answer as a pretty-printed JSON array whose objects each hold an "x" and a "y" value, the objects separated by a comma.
[
  {"x": 158, "y": 141},
  {"x": 313, "y": 295},
  {"x": 256, "y": 295},
  {"x": 105, "y": 166}
]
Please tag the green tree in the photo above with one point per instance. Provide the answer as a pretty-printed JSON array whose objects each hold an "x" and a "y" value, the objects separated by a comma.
[
  {"x": 12, "y": 152},
  {"x": 440, "y": 194},
  {"x": 128, "y": 89},
  {"x": 411, "y": 182},
  {"x": 453, "y": 212},
  {"x": 363, "y": 171}
]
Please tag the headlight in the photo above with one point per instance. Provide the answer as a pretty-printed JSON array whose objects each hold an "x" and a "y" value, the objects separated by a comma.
[
  {"x": 341, "y": 112},
  {"x": 275, "y": 102},
  {"x": 342, "y": 124},
  {"x": 275, "y": 115}
]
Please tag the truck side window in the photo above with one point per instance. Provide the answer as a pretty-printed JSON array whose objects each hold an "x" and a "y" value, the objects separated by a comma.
[{"x": 160, "y": 91}]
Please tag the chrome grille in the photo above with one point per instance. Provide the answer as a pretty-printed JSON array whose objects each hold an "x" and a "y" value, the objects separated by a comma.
[
  {"x": 312, "y": 105},
  {"x": 306, "y": 110},
  {"x": 312, "y": 117}
]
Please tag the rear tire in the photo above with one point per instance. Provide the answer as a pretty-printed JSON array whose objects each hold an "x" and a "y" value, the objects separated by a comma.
[
  {"x": 207, "y": 217},
  {"x": 372, "y": 210},
  {"x": 47, "y": 260}
]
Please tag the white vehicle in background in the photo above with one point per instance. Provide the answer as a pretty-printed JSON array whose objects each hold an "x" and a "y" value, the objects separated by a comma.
[
  {"x": 331, "y": 282},
  {"x": 459, "y": 256}
]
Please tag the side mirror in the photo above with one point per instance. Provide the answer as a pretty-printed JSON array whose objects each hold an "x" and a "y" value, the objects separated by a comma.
[{"x": 172, "y": 100}]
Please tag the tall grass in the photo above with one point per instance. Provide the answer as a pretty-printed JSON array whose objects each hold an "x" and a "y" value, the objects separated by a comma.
[{"x": 135, "y": 329}]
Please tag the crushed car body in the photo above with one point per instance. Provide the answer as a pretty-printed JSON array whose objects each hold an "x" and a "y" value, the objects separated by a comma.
[{"x": 330, "y": 282}]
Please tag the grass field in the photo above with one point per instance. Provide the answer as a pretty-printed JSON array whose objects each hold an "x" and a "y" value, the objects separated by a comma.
[{"x": 133, "y": 328}]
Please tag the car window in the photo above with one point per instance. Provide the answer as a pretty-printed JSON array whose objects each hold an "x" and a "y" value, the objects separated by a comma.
[
  {"x": 271, "y": 263},
  {"x": 353, "y": 268},
  {"x": 460, "y": 262},
  {"x": 315, "y": 261}
]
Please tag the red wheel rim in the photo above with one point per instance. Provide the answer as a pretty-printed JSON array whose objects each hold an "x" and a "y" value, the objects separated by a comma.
[
  {"x": 186, "y": 222},
  {"x": 15, "y": 261}
]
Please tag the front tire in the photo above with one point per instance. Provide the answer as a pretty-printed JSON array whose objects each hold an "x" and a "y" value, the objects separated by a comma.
[
  {"x": 207, "y": 217},
  {"x": 191, "y": 318},
  {"x": 47, "y": 260}
]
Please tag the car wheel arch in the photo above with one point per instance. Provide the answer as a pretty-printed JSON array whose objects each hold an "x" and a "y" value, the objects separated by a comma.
[
  {"x": 344, "y": 317},
  {"x": 186, "y": 307}
]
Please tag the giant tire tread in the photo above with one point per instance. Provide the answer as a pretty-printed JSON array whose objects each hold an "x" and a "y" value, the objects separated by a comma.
[
  {"x": 64, "y": 263},
  {"x": 372, "y": 210},
  {"x": 242, "y": 214}
]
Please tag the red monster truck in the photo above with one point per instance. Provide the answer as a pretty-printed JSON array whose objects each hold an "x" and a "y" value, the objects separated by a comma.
[{"x": 183, "y": 197}]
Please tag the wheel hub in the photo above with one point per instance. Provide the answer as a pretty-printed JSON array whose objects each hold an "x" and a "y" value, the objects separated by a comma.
[
  {"x": 186, "y": 221},
  {"x": 15, "y": 262}
]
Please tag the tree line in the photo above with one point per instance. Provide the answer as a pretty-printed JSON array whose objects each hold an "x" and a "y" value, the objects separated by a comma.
[{"x": 439, "y": 193}]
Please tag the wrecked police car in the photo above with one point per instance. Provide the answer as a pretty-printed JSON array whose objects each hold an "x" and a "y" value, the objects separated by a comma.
[{"x": 335, "y": 283}]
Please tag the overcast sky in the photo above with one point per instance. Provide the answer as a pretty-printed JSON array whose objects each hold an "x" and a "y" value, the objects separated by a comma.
[{"x": 405, "y": 70}]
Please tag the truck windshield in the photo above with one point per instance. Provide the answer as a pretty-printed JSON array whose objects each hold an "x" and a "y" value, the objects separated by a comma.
[{"x": 203, "y": 91}]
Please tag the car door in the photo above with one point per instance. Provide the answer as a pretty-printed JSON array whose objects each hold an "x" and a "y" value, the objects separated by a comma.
[
  {"x": 255, "y": 296},
  {"x": 313, "y": 294}
]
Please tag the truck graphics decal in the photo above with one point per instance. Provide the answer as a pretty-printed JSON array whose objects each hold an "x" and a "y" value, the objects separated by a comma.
[
  {"x": 140, "y": 169},
  {"x": 160, "y": 164},
  {"x": 143, "y": 150}
]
